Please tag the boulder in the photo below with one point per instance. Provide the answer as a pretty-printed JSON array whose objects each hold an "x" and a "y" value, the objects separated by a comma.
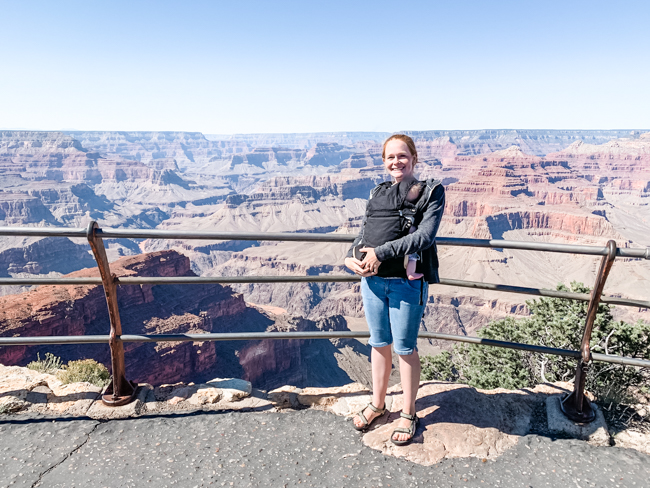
[
  {"x": 233, "y": 389},
  {"x": 26, "y": 389}
]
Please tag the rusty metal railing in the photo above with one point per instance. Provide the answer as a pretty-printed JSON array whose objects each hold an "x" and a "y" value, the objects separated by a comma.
[{"x": 575, "y": 406}]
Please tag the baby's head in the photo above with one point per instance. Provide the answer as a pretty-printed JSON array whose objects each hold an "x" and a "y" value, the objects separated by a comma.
[{"x": 414, "y": 191}]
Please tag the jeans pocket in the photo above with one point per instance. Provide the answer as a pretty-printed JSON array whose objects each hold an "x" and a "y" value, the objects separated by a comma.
[{"x": 415, "y": 284}]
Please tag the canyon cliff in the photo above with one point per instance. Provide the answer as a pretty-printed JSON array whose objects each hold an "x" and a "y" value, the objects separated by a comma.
[
  {"x": 553, "y": 186},
  {"x": 169, "y": 309}
]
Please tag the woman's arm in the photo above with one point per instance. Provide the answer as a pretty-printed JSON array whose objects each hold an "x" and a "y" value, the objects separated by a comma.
[{"x": 423, "y": 237}]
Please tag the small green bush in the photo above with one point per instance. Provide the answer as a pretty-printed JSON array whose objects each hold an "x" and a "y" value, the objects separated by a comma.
[
  {"x": 439, "y": 368},
  {"x": 554, "y": 323},
  {"x": 50, "y": 365},
  {"x": 84, "y": 370}
]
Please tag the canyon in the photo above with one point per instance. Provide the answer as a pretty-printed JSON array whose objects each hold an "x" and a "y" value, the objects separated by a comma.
[
  {"x": 172, "y": 309},
  {"x": 552, "y": 186}
]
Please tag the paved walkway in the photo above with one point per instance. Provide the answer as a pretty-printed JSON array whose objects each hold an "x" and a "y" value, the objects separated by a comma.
[{"x": 289, "y": 449}]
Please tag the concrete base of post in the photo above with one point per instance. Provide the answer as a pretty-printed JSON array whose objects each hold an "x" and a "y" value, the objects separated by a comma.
[
  {"x": 595, "y": 432},
  {"x": 100, "y": 411}
]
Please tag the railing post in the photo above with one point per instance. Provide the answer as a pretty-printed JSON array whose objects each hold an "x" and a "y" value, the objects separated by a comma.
[
  {"x": 576, "y": 406},
  {"x": 120, "y": 391}
]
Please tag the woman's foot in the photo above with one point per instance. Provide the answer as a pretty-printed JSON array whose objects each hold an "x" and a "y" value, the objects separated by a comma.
[
  {"x": 405, "y": 429},
  {"x": 370, "y": 415}
]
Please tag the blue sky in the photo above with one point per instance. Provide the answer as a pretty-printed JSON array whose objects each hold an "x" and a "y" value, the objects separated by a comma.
[{"x": 300, "y": 66}]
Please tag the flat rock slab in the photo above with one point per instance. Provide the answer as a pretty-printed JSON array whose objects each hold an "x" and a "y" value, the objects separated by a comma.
[
  {"x": 272, "y": 449},
  {"x": 633, "y": 439},
  {"x": 216, "y": 394},
  {"x": 232, "y": 389},
  {"x": 342, "y": 400},
  {"x": 456, "y": 421},
  {"x": 26, "y": 389}
]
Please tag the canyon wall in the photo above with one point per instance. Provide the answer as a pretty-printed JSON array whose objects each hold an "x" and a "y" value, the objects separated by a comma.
[
  {"x": 78, "y": 310},
  {"x": 167, "y": 309},
  {"x": 553, "y": 186}
]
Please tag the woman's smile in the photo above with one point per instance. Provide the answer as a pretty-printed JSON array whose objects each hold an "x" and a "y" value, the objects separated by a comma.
[{"x": 398, "y": 160}]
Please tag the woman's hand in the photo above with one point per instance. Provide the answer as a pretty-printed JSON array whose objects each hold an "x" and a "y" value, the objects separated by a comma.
[
  {"x": 370, "y": 263},
  {"x": 356, "y": 266}
]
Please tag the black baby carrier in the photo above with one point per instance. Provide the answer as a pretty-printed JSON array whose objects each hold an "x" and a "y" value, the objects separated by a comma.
[{"x": 389, "y": 216}]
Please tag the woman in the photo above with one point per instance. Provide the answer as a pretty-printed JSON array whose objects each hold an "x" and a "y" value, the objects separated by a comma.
[{"x": 392, "y": 303}]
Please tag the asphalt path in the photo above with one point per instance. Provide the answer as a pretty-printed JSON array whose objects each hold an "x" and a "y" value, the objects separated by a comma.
[{"x": 286, "y": 449}]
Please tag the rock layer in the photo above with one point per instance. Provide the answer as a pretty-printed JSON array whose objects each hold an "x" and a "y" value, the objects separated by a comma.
[
  {"x": 78, "y": 310},
  {"x": 559, "y": 186}
]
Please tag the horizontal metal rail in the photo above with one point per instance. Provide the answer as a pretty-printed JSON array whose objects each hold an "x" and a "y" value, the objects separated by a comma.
[
  {"x": 624, "y": 252},
  {"x": 43, "y": 231},
  {"x": 179, "y": 280},
  {"x": 575, "y": 406},
  {"x": 258, "y": 336},
  {"x": 309, "y": 237},
  {"x": 542, "y": 292},
  {"x": 50, "y": 281}
]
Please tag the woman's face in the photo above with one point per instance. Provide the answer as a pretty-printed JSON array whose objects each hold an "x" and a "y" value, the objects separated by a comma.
[{"x": 398, "y": 160}]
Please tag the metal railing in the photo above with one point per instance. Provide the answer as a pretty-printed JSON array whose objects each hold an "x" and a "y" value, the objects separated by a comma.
[{"x": 121, "y": 391}]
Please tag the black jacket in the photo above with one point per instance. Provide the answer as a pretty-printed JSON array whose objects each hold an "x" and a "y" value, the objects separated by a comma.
[{"x": 422, "y": 241}]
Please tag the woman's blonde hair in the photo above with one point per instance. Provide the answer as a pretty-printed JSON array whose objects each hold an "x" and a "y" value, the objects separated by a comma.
[{"x": 405, "y": 139}]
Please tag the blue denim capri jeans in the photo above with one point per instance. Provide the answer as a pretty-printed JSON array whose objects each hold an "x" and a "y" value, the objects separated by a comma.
[{"x": 394, "y": 309}]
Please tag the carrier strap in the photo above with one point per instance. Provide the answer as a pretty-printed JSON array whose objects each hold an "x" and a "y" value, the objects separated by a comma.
[
  {"x": 432, "y": 183},
  {"x": 409, "y": 219},
  {"x": 374, "y": 191}
]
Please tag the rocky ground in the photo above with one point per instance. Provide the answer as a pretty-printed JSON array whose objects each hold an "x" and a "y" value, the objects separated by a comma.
[{"x": 225, "y": 433}]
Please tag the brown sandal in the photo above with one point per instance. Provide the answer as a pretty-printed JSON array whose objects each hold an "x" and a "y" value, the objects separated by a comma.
[
  {"x": 366, "y": 425},
  {"x": 401, "y": 430}
]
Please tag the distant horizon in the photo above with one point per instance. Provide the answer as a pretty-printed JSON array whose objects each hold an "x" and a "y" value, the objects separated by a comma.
[{"x": 640, "y": 130}]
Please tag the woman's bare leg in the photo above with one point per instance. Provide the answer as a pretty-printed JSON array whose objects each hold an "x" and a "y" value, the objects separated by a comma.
[
  {"x": 381, "y": 363},
  {"x": 409, "y": 372}
]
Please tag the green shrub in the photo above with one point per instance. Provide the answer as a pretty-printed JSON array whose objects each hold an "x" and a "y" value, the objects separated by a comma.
[
  {"x": 84, "y": 370},
  {"x": 439, "y": 368},
  {"x": 50, "y": 365},
  {"x": 554, "y": 323}
]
